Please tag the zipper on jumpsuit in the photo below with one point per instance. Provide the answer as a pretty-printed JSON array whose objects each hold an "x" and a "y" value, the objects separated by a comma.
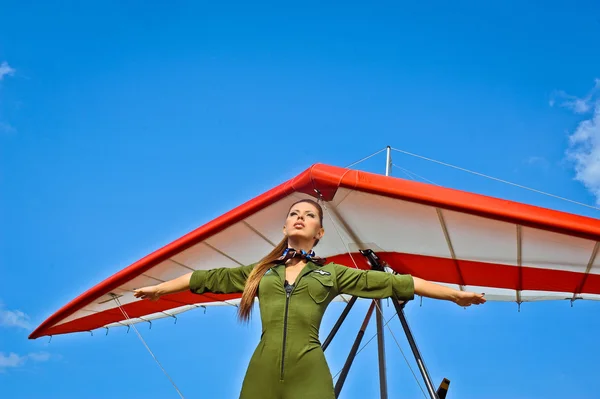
[{"x": 288, "y": 292}]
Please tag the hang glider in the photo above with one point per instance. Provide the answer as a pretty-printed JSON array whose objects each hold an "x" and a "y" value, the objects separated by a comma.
[{"x": 508, "y": 250}]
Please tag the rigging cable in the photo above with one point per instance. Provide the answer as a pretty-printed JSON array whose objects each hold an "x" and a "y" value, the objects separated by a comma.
[
  {"x": 146, "y": 345},
  {"x": 365, "y": 158},
  {"x": 411, "y": 174},
  {"x": 495, "y": 178}
]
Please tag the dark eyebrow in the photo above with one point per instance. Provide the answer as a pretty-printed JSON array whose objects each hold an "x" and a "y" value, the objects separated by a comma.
[{"x": 296, "y": 210}]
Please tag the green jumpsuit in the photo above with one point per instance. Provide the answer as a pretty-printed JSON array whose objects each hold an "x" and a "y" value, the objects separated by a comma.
[{"x": 288, "y": 362}]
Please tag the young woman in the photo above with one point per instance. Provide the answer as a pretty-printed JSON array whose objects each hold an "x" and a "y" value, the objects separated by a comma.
[{"x": 294, "y": 289}]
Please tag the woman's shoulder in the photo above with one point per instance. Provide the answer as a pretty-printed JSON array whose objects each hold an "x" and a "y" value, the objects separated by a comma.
[{"x": 332, "y": 266}]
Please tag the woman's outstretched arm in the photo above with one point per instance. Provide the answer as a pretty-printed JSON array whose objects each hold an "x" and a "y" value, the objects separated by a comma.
[
  {"x": 376, "y": 284},
  {"x": 223, "y": 280},
  {"x": 154, "y": 292},
  {"x": 437, "y": 291}
]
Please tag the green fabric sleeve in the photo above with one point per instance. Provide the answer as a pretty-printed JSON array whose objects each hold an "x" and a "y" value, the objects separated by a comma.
[
  {"x": 224, "y": 280},
  {"x": 374, "y": 284}
]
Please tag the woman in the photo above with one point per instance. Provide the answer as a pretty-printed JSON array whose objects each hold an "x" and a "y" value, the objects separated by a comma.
[{"x": 294, "y": 289}]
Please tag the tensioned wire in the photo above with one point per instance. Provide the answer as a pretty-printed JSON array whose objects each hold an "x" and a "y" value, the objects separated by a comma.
[
  {"x": 411, "y": 174},
  {"x": 468, "y": 171},
  {"x": 495, "y": 178},
  {"x": 365, "y": 158},
  {"x": 147, "y": 347}
]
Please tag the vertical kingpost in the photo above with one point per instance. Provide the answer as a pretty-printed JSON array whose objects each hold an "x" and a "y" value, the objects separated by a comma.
[{"x": 388, "y": 164}]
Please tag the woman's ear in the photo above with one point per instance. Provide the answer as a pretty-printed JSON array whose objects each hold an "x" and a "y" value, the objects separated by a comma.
[{"x": 320, "y": 234}]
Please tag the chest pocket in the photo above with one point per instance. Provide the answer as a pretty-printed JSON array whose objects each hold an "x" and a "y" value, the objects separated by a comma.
[{"x": 319, "y": 286}]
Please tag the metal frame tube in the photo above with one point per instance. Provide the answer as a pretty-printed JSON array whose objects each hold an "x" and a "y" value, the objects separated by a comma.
[
  {"x": 339, "y": 322},
  {"x": 381, "y": 352},
  {"x": 415, "y": 349},
  {"x": 340, "y": 382}
]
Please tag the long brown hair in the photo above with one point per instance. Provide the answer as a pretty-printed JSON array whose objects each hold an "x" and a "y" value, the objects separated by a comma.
[{"x": 251, "y": 288}]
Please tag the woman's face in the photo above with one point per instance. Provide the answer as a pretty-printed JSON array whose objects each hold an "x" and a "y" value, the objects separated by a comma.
[{"x": 303, "y": 223}]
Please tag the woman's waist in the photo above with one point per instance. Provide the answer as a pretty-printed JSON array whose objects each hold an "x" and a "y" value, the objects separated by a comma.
[{"x": 291, "y": 332}]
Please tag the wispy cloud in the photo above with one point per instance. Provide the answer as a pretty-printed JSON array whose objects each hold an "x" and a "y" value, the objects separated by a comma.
[
  {"x": 6, "y": 70},
  {"x": 39, "y": 356},
  {"x": 535, "y": 160},
  {"x": 14, "y": 318},
  {"x": 579, "y": 105},
  {"x": 13, "y": 360},
  {"x": 584, "y": 142}
]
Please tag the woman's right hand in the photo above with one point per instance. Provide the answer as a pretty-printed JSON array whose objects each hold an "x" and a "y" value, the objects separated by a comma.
[{"x": 150, "y": 292}]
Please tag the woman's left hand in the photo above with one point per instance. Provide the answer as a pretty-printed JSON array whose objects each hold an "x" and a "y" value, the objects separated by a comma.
[{"x": 469, "y": 298}]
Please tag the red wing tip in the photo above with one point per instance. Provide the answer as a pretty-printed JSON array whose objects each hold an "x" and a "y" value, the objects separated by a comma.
[
  {"x": 153, "y": 258},
  {"x": 35, "y": 334}
]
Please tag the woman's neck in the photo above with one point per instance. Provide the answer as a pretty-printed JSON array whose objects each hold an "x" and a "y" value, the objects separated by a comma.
[{"x": 300, "y": 245}]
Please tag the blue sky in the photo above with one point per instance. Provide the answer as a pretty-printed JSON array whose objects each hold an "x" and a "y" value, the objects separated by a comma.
[{"x": 124, "y": 125}]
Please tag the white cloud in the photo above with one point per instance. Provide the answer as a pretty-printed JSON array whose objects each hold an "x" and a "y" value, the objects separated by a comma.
[
  {"x": 6, "y": 70},
  {"x": 584, "y": 142},
  {"x": 12, "y": 360},
  {"x": 579, "y": 105},
  {"x": 14, "y": 318},
  {"x": 584, "y": 151},
  {"x": 39, "y": 356},
  {"x": 535, "y": 160}
]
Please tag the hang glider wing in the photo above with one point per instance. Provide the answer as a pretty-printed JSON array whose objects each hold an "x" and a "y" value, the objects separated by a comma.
[{"x": 508, "y": 250}]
